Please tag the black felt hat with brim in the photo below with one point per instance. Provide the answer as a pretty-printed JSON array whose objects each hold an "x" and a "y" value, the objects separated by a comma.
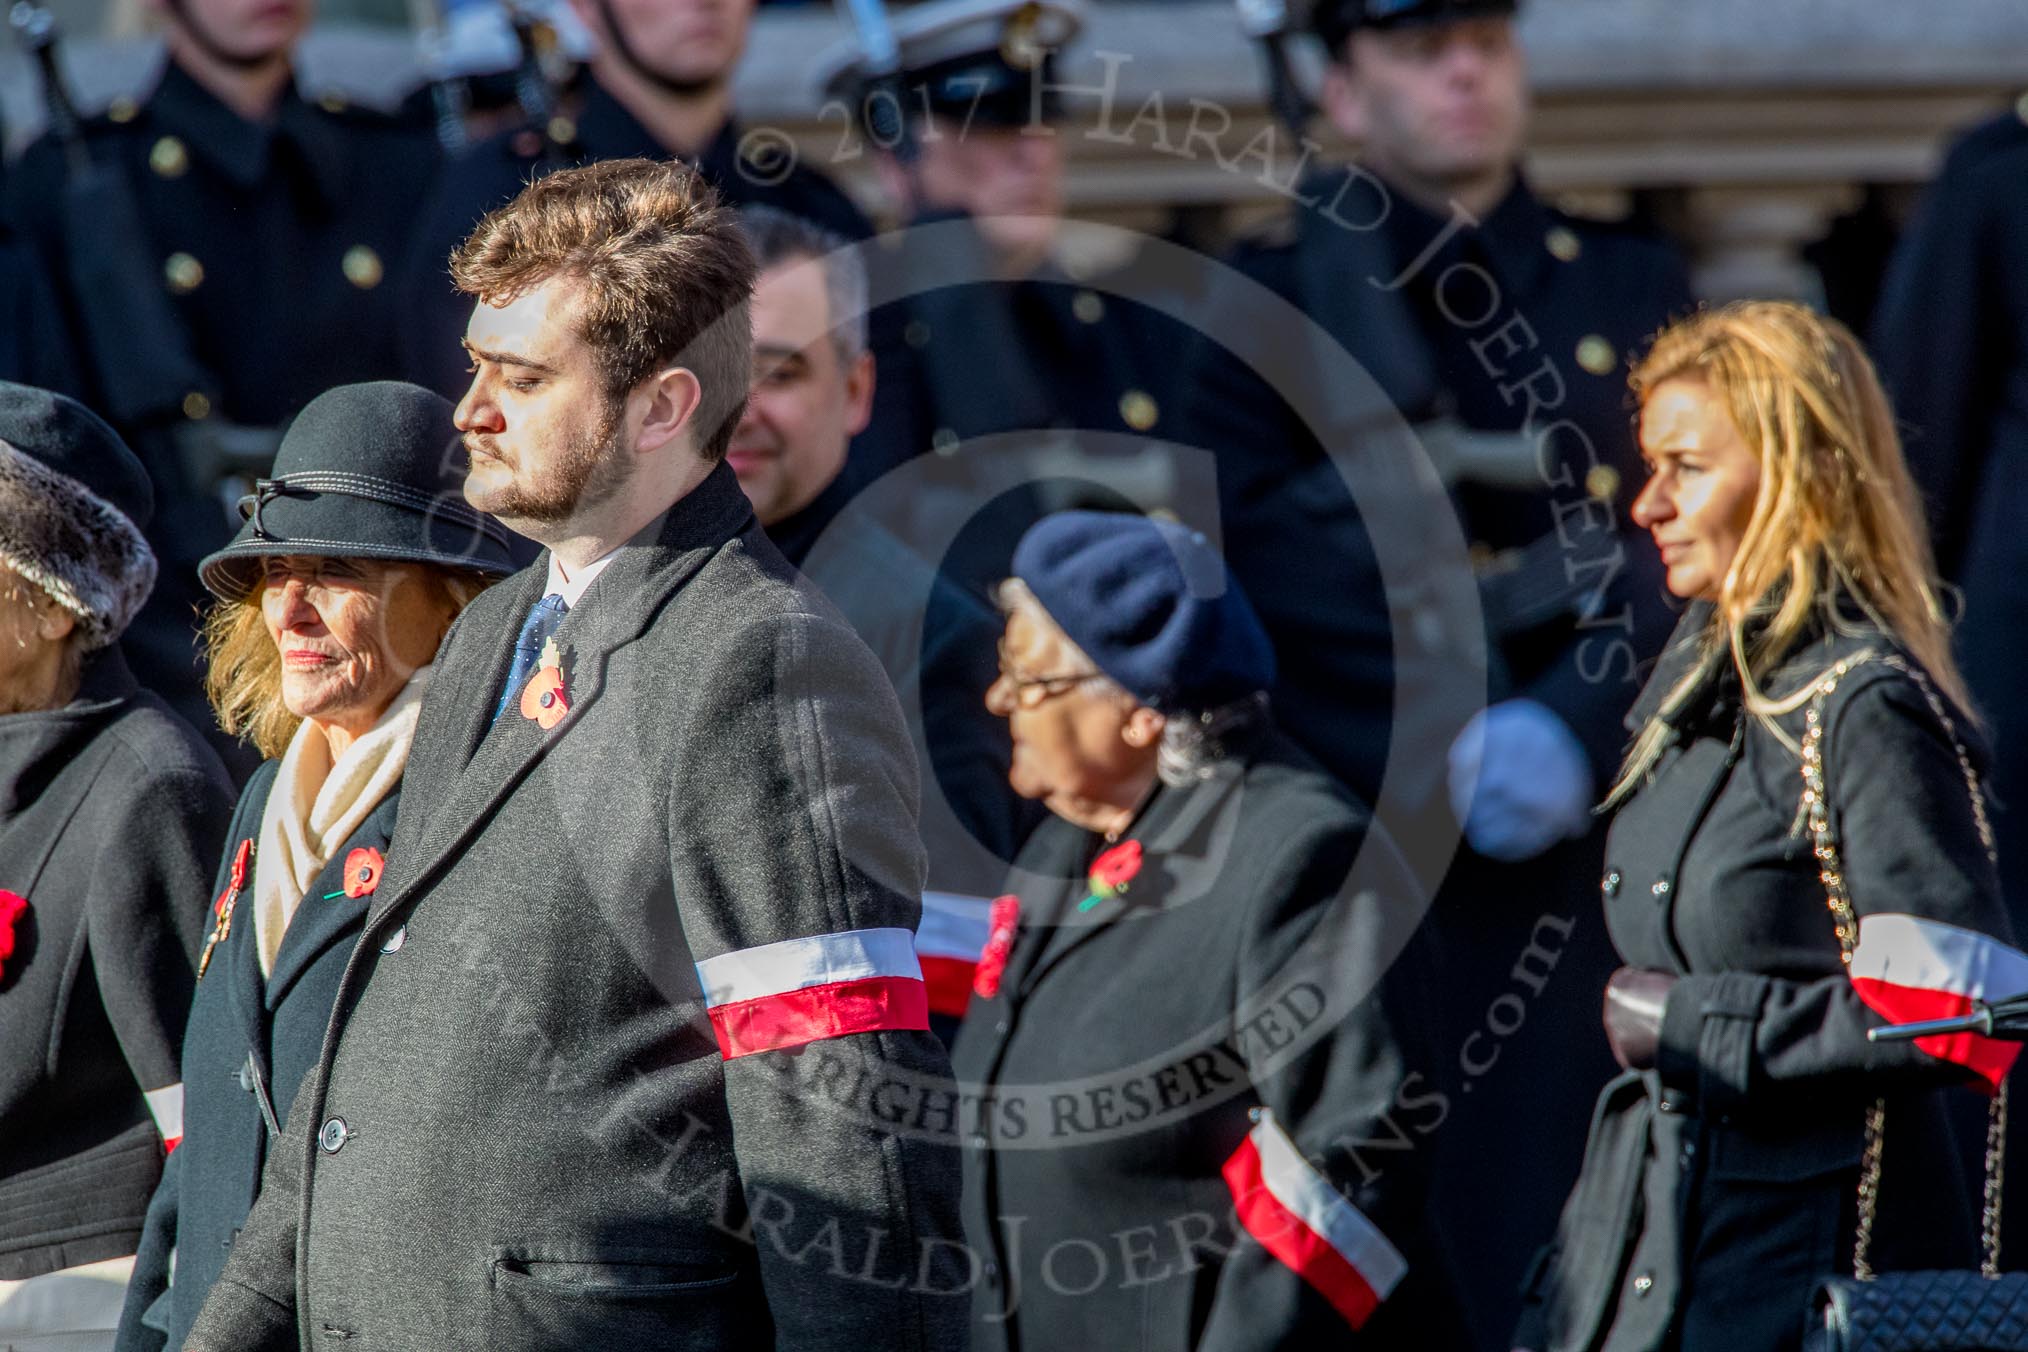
[{"x": 371, "y": 471}]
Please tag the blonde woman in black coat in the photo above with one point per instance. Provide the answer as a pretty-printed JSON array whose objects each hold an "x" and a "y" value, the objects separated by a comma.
[
  {"x": 1722, "y": 1178},
  {"x": 332, "y": 601},
  {"x": 111, "y": 810}
]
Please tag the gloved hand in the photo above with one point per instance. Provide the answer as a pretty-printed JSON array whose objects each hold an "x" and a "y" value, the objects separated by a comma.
[
  {"x": 1519, "y": 781},
  {"x": 1634, "y": 1000}
]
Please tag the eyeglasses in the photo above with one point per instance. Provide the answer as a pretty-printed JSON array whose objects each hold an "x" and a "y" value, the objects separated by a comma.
[{"x": 1033, "y": 690}]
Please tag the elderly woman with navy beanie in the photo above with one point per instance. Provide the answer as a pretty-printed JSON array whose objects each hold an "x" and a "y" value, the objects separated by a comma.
[
  {"x": 111, "y": 810},
  {"x": 1195, "y": 1104}
]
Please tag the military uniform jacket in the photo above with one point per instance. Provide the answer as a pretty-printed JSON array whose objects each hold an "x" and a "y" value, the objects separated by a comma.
[
  {"x": 276, "y": 244},
  {"x": 1717, "y": 1189},
  {"x": 1951, "y": 335},
  {"x": 491, "y": 173},
  {"x": 1236, "y": 1034},
  {"x": 250, "y": 1042},
  {"x": 111, "y": 812},
  {"x": 577, "y": 1091},
  {"x": 1525, "y": 321}
]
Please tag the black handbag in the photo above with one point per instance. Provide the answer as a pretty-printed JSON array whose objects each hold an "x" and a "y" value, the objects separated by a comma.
[{"x": 1956, "y": 1310}]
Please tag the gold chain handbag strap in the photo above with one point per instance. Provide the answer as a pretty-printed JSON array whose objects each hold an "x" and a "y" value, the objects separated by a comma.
[{"x": 1830, "y": 868}]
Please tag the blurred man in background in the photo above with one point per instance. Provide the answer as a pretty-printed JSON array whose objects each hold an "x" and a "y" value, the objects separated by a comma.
[
  {"x": 1951, "y": 338},
  {"x": 660, "y": 88},
  {"x": 222, "y": 251},
  {"x": 1500, "y": 328},
  {"x": 992, "y": 331},
  {"x": 812, "y": 392}
]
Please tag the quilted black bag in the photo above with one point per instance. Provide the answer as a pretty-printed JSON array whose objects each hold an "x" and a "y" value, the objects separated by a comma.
[
  {"x": 1955, "y": 1310},
  {"x": 1923, "y": 1312}
]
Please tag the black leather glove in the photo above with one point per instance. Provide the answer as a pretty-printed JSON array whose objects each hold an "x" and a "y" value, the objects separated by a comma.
[{"x": 1634, "y": 1000}]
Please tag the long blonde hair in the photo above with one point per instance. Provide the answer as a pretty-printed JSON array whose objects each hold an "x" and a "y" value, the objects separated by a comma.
[
  {"x": 1836, "y": 521},
  {"x": 243, "y": 675}
]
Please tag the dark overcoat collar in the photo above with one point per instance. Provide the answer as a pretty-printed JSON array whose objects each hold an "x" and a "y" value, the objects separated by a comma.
[
  {"x": 35, "y": 745},
  {"x": 1186, "y": 836},
  {"x": 493, "y": 756}
]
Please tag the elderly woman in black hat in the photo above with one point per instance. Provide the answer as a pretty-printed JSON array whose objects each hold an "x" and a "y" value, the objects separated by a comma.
[
  {"x": 1193, "y": 1097},
  {"x": 332, "y": 602},
  {"x": 110, "y": 812}
]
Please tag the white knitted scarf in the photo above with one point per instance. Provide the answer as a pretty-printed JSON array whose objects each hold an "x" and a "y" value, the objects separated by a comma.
[{"x": 315, "y": 806}]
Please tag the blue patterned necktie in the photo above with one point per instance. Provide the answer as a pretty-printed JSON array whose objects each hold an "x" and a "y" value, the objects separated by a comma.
[{"x": 543, "y": 617}]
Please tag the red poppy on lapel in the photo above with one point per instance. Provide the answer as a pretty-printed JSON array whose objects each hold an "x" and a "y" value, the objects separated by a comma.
[
  {"x": 363, "y": 868},
  {"x": 12, "y": 907},
  {"x": 1001, "y": 922},
  {"x": 544, "y": 701},
  {"x": 1111, "y": 872}
]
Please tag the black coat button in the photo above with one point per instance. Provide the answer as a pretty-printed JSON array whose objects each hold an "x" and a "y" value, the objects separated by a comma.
[{"x": 334, "y": 1135}]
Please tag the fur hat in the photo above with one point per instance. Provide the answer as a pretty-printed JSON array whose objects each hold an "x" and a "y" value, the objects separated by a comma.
[{"x": 72, "y": 502}]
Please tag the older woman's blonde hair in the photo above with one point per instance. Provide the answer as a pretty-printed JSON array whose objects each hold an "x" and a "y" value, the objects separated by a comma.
[
  {"x": 1836, "y": 523},
  {"x": 243, "y": 676}
]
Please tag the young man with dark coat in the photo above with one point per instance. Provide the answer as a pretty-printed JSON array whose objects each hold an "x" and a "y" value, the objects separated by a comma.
[
  {"x": 332, "y": 600},
  {"x": 111, "y": 811},
  {"x": 652, "y": 886}
]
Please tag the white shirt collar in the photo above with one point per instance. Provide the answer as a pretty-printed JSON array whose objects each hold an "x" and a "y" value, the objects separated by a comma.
[{"x": 573, "y": 587}]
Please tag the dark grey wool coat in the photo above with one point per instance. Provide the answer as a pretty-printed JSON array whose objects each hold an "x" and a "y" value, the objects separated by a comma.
[
  {"x": 521, "y": 1133},
  {"x": 1266, "y": 957},
  {"x": 250, "y": 1041},
  {"x": 111, "y": 811},
  {"x": 1718, "y": 1190}
]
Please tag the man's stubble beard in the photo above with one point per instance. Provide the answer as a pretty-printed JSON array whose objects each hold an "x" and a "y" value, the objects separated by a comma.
[{"x": 588, "y": 470}]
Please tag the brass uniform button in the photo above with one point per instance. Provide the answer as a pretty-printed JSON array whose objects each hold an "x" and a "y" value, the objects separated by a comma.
[
  {"x": 1596, "y": 355},
  {"x": 169, "y": 158},
  {"x": 1137, "y": 410},
  {"x": 916, "y": 335},
  {"x": 1087, "y": 306},
  {"x": 363, "y": 267},
  {"x": 1482, "y": 557},
  {"x": 1563, "y": 243},
  {"x": 122, "y": 110},
  {"x": 183, "y": 273},
  {"x": 562, "y": 130},
  {"x": 944, "y": 441},
  {"x": 1019, "y": 47},
  {"x": 196, "y": 407},
  {"x": 1602, "y": 482},
  {"x": 332, "y": 102}
]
